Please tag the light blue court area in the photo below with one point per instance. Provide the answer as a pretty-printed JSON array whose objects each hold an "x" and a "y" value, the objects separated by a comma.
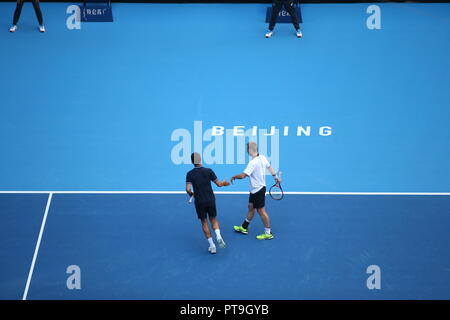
[
  {"x": 95, "y": 109},
  {"x": 344, "y": 113}
]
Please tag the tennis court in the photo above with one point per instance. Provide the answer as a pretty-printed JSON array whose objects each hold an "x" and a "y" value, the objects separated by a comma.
[{"x": 97, "y": 126}]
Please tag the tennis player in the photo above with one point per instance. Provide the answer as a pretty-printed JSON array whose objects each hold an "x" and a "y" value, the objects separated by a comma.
[
  {"x": 18, "y": 11},
  {"x": 256, "y": 170},
  {"x": 205, "y": 202},
  {"x": 290, "y": 8}
]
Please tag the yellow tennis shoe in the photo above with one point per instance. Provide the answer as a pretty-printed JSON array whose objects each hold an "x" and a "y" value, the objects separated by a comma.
[
  {"x": 265, "y": 236},
  {"x": 240, "y": 229}
]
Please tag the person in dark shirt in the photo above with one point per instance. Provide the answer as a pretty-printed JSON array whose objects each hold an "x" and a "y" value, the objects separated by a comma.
[
  {"x": 18, "y": 11},
  {"x": 205, "y": 202}
]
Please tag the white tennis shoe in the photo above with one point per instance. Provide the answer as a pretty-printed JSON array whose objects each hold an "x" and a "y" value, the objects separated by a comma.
[
  {"x": 269, "y": 34},
  {"x": 221, "y": 243},
  {"x": 13, "y": 28},
  {"x": 41, "y": 29}
]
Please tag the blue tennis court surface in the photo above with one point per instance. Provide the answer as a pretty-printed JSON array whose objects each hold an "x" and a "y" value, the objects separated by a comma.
[
  {"x": 144, "y": 246},
  {"x": 97, "y": 126}
]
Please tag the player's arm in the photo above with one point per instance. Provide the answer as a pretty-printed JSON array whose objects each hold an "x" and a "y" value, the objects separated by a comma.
[
  {"x": 238, "y": 176},
  {"x": 246, "y": 173},
  {"x": 213, "y": 178},
  {"x": 223, "y": 183},
  {"x": 188, "y": 189}
]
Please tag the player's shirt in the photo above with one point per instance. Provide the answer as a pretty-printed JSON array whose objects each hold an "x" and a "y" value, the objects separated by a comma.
[
  {"x": 200, "y": 178},
  {"x": 256, "y": 170}
]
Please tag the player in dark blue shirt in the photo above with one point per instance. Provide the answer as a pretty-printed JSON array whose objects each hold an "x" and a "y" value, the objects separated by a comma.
[{"x": 205, "y": 202}]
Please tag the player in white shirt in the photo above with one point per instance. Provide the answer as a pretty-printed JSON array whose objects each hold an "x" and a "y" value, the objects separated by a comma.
[{"x": 256, "y": 170}]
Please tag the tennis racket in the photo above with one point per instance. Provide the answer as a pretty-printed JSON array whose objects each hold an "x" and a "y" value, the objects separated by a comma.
[{"x": 276, "y": 191}]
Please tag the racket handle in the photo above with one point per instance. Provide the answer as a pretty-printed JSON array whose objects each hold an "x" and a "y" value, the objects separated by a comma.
[{"x": 191, "y": 198}]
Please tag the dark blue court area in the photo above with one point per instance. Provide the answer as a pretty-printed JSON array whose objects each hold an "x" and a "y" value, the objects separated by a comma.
[
  {"x": 147, "y": 246},
  {"x": 97, "y": 126}
]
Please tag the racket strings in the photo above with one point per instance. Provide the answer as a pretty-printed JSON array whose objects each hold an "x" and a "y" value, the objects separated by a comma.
[{"x": 276, "y": 192}]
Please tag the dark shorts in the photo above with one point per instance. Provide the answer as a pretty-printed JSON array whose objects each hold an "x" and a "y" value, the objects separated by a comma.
[
  {"x": 258, "y": 199},
  {"x": 203, "y": 211}
]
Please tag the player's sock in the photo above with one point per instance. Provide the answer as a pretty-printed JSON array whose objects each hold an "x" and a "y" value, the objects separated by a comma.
[
  {"x": 218, "y": 236},
  {"x": 267, "y": 230},
  {"x": 245, "y": 224},
  {"x": 211, "y": 242}
]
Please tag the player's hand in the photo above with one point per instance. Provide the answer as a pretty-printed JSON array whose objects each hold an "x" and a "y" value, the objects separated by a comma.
[
  {"x": 225, "y": 183},
  {"x": 277, "y": 180}
]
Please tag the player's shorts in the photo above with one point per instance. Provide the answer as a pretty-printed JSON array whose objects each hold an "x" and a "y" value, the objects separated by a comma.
[
  {"x": 203, "y": 211},
  {"x": 258, "y": 199}
]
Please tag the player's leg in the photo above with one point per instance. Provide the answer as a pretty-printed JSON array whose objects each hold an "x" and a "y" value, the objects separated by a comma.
[
  {"x": 202, "y": 216},
  {"x": 37, "y": 10},
  {"x": 17, "y": 13},
  {"x": 212, "y": 213},
  {"x": 276, "y": 8},
  {"x": 264, "y": 217},
  {"x": 290, "y": 8},
  {"x": 205, "y": 228},
  {"x": 259, "y": 203},
  {"x": 250, "y": 214},
  {"x": 216, "y": 228},
  {"x": 266, "y": 221}
]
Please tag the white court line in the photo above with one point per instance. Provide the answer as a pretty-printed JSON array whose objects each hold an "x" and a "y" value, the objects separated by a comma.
[
  {"x": 38, "y": 244},
  {"x": 232, "y": 192}
]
